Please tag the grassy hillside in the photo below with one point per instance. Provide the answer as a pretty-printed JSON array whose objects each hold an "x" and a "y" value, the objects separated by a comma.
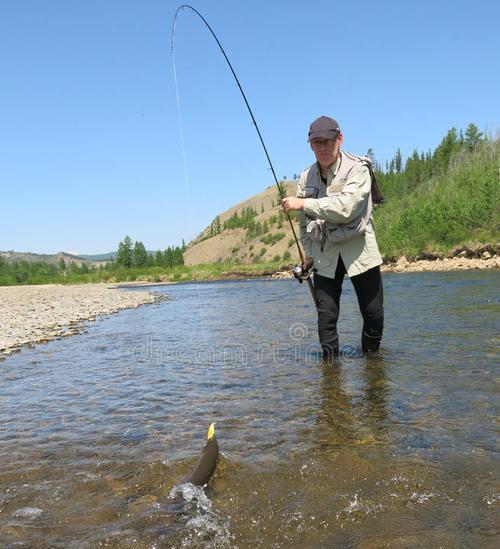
[{"x": 459, "y": 208}]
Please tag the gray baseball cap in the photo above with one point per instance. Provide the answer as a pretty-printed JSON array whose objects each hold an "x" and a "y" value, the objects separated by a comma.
[{"x": 324, "y": 127}]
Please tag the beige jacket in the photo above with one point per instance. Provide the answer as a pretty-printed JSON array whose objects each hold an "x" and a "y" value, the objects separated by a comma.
[{"x": 341, "y": 200}]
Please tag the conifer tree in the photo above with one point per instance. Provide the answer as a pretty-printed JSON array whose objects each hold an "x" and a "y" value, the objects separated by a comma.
[
  {"x": 178, "y": 258},
  {"x": 159, "y": 258},
  {"x": 398, "y": 161},
  {"x": 413, "y": 170},
  {"x": 472, "y": 136},
  {"x": 371, "y": 155},
  {"x": 169, "y": 257},
  {"x": 140, "y": 255},
  {"x": 124, "y": 256},
  {"x": 150, "y": 260},
  {"x": 445, "y": 150}
]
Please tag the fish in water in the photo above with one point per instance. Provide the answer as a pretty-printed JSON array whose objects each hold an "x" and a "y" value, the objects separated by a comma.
[{"x": 207, "y": 462}]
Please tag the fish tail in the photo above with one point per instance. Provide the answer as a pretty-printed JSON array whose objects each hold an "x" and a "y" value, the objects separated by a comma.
[{"x": 211, "y": 431}]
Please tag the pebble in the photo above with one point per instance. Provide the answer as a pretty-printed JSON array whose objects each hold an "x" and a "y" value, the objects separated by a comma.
[{"x": 37, "y": 314}]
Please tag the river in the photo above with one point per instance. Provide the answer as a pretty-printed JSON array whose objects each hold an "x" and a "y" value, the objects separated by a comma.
[{"x": 400, "y": 449}]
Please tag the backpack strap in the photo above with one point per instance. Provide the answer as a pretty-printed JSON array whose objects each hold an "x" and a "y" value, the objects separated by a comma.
[{"x": 377, "y": 196}]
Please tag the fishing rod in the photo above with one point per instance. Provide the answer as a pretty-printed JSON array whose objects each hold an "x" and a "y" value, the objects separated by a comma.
[{"x": 281, "y": 191}]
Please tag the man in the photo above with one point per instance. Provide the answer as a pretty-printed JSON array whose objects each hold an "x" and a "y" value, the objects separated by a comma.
[{"x": 334, "y": 204}]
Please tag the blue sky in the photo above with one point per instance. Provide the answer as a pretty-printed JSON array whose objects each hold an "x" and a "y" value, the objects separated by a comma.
[{"x": 90, "y": 146}]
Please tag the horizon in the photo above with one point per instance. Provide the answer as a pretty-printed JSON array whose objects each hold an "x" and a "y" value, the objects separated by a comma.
[{"x": 91, "y": 148}]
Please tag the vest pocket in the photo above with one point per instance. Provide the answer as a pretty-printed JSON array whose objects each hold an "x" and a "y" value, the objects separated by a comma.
[{"x": 311, "y": 192}]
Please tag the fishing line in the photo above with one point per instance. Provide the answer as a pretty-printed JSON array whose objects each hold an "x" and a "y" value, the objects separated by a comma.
[
  {"x": 278, "y": 185},
  {"x": 184, "y": 162}
]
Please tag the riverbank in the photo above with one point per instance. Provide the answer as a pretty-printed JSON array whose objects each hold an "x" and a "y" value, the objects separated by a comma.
[
  {"x": 479, "y": 256},
  {"x": 457, "y": 263},
  {"x": 37, "y": 314},
  {"x": 404, "y": 265}
]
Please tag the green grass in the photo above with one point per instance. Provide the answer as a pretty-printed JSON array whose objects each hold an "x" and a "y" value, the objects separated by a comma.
[
  {"x": 152, "y": 274},
  {"x": 456, "y": 208}
]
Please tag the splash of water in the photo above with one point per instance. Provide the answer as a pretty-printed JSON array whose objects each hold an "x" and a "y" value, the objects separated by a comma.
[{"x": 205, "y": 526}]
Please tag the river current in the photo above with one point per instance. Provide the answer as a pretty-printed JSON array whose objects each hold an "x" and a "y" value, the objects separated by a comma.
[{"x": 399, "y": 449}]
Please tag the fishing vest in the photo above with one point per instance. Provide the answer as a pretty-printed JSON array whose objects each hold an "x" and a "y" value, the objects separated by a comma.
[{"x": 320, "y": 230}]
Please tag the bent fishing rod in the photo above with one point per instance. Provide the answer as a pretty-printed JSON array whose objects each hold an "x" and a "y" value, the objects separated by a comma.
[{"x": 282, "y": 194}]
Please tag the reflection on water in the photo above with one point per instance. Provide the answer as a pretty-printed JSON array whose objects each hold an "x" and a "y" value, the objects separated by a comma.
[
  {"x": 359, "y": 418},
  {"x": 393, "y": 450}
]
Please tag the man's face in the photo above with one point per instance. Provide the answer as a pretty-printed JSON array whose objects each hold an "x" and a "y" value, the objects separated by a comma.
[{"x": 326, "y": 150}]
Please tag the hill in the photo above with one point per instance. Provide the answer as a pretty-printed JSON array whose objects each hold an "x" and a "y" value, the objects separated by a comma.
[{"x": 254, "y": 230}]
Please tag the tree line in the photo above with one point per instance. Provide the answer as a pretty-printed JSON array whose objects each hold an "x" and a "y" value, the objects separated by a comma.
[
  {"x": 443, "y": 201},
  {"x": 399, "y": 177},
  {"x": 39, "y": 272},
  {"x": 131, "y": 254}
]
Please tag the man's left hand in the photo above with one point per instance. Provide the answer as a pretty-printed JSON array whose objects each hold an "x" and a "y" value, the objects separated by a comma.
[{"x": 292, "y": 204}]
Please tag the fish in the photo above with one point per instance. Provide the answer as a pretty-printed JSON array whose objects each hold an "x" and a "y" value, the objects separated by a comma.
[{"x": 207, "y": 461}]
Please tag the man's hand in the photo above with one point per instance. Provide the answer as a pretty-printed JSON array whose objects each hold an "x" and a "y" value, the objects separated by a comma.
[
  {"x": 308, "y": 263},
  {"x": 292, "y": 204}
]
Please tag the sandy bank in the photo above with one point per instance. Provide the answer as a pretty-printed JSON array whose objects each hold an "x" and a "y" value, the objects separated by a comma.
[{"x": 35, "y": 314}]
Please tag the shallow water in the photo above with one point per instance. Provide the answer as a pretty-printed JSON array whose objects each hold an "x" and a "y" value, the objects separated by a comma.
[{"x": 97, "y": 431}]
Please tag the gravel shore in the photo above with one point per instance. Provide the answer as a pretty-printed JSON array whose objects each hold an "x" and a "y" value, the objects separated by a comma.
[
  {"x": 36, "y": 314},
  {"x": 403, "y": 265},
  {"x": 458, "y": 263}
]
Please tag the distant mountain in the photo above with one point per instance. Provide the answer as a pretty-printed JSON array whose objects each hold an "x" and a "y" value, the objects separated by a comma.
[{"x": 12, "y": 256}]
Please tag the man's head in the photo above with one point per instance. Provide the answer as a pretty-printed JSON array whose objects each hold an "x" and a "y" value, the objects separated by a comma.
[{"x": 325, "y": 138}]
